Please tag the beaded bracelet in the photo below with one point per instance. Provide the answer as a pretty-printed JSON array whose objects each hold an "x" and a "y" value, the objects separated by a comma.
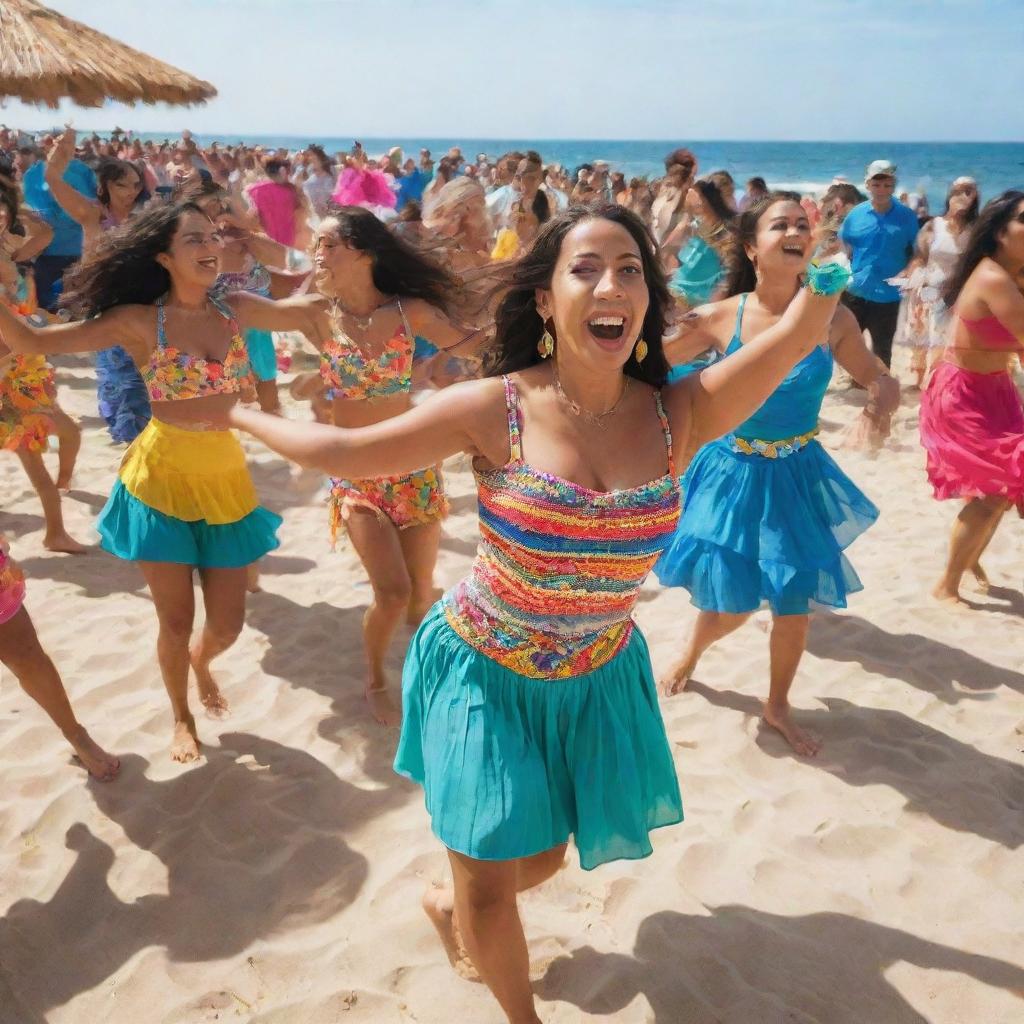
[{"x": 829, "y": 278}]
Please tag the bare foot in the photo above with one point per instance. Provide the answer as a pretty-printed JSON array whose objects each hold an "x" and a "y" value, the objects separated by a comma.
[
  {"x": 381, "y": 705},
  {"x": 439, "y": 906},
  {"x": 64, "y": 543},
  {"x": 675, "y": 679},
  {"x": 980, "y": 578},
  {"x": 185, "y": 744},
  {"x": 210, "y": 696},
  {"x": 943, "y": 592},
  {"x": 100, "y": 765},
  {"x": 417, "y": 609},
  {"x": 779, "y": 719}
]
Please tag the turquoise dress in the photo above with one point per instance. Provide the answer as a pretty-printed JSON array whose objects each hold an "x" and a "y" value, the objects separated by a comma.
[
  {"x": 761, "y": 530},
  {"x": 529, "y": 710}
]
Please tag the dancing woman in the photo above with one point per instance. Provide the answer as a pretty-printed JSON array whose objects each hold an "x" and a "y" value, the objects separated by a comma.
[
  {"x": 120, "y": 192},
  {"x": 376, "y": 296},
  {"x": 530, "y": 707},
  {"x": 184, "y": 499},
  {"x": 768, "y": 513},
  {"x": 972, "y": 420}
]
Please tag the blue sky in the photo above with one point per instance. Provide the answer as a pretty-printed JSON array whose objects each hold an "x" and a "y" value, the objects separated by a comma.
[{"x": 629, "y": 69}]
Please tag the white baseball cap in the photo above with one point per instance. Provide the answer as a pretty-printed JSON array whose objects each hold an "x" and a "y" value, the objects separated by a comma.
[{"x": 878, "y": 168}]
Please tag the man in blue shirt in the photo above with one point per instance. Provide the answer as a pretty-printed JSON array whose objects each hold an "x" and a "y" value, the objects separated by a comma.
[
  {"x": 880, "y": 234},
  {"x": 66, "y": 247}
]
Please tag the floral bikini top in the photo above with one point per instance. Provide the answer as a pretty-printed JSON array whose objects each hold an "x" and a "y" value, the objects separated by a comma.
[
  {"x": 349, "y": 373},
  {"x": 171, "y": 375}
]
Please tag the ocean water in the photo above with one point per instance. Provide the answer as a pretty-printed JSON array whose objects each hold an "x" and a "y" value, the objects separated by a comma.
[{"x": 926, "y": 167}]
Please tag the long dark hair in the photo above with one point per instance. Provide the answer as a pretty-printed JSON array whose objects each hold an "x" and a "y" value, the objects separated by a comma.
[
  {"x": 518, "y": 324},
  {"x": 982, "y": 241},
  {"x": 111, "y": 170},
  {"x": 740, "y": 275},
  {"x": 121, "y": 269},
  {"x": 398, "y": 269}
]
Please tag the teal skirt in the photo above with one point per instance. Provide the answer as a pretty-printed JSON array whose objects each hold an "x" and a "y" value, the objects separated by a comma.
[
  {"x": 512, "y": 766},
  {"x": 132, "y": 530}
]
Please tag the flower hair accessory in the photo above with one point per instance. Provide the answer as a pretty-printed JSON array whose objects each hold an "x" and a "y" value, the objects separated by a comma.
[{"x": 829, "y": 277}]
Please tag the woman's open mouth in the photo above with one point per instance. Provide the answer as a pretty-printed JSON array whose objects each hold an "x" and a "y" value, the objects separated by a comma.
[{"x": 607, "y": 328}]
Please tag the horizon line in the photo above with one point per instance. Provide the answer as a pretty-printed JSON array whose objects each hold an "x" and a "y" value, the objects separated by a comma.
[{"x": 265, "y": 134}]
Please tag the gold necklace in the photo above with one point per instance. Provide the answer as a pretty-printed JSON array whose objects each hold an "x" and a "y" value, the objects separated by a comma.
[{"x": 596, "y": 418}]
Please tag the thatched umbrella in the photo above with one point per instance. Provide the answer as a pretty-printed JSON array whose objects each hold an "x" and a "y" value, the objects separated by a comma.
[{"x": 45, "y": 57}]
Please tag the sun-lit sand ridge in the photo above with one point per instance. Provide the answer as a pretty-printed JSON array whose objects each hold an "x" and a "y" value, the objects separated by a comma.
[{"x": 279, "y": 880}]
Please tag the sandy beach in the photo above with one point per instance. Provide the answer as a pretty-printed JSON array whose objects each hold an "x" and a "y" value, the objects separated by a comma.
[{"x": 278, "y": 881}]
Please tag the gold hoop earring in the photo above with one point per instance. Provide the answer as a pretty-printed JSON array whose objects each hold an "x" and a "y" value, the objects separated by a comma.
[
  {"x": 546, "y": 345},
  {"x": 640, "y": 351}
]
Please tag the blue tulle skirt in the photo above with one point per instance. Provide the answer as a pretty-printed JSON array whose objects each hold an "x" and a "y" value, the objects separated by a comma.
[
  {"x": 512, "y": 766},
  {"x": 756, "y": 530},
  {"x": 132, "y": 530},
  {"x": 120, "y": 393}
]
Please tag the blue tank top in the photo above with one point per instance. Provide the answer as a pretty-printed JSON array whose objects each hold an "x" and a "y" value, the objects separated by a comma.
[{"x": 792, "y": 408}]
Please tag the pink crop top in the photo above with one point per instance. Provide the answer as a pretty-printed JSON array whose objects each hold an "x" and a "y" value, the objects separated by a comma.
[
  {"x": 171, "y": 375},
  {"x": 349, "y": 373},
  {"x": 992, "y": 333}
]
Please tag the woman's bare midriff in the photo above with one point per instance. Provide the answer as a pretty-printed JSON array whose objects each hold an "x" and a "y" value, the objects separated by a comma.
[
  {"x": 979, "y": 360},
  {"x": 193, "y": 413}
]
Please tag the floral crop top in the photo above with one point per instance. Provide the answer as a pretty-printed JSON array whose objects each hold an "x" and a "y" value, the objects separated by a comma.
[
  {"x": 171, "y": 375},
  {"x": 349, "y": 373}
]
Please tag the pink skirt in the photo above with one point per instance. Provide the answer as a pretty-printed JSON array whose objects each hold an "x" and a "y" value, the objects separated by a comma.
[{"x": 972, "y": 427}]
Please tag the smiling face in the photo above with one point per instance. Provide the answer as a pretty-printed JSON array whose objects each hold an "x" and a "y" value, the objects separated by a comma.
[
  {"x": 782, "y": 244},
  {"x": 193, "y": 257},
  {"x": 334, "y": 258},
  {"x": 598, "y": 296}
]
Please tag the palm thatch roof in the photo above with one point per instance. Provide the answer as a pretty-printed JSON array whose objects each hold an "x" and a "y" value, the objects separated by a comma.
[{"x": 45, "y": 57}]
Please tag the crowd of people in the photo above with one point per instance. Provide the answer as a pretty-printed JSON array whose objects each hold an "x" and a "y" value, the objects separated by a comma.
[{"x": 635, "y": 368}]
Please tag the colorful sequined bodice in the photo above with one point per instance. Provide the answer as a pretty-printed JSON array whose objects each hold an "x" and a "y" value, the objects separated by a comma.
[
  {"x": 172, "y": 375},
  {"x": 349, "y": 373},
  {"x": 559, "y": 566}
]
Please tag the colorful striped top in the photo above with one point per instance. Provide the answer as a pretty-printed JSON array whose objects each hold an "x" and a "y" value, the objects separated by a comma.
[{"x": 559, "y": 567}]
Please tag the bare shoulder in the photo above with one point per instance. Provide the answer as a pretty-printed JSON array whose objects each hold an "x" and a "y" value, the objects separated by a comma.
[{"x": 479, "y": 406}]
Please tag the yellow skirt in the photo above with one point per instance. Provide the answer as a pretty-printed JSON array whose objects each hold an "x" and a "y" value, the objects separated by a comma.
[{"x": 189, "y": 474}]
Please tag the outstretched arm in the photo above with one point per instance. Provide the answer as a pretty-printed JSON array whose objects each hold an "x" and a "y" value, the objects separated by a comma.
[
  {"x": 301, "y": 313},
  {"x": 464, "y": 418},
  {"x": 120, "y": 326},
  {"x": 724, "y": 395}
]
